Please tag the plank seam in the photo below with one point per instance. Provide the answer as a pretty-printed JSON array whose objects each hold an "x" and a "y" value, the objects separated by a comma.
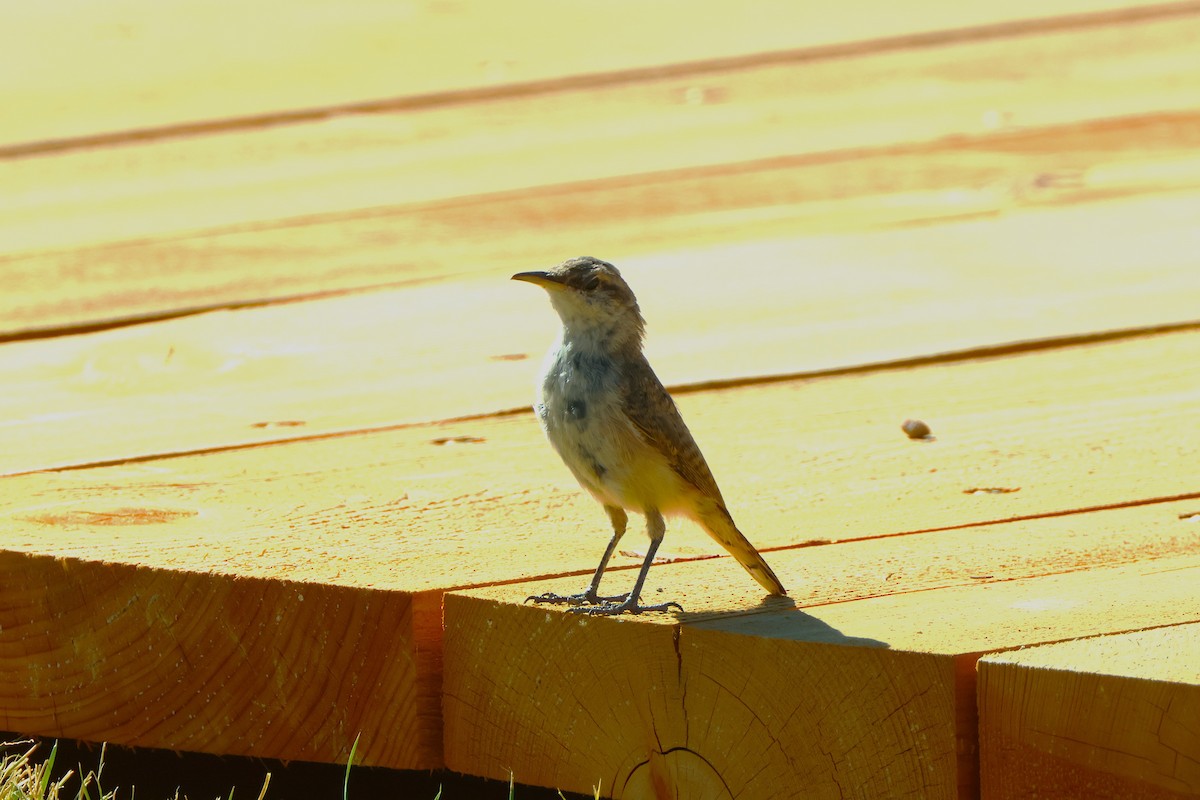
[
  {"x": 948, "y": 357},
  {"x": 966, "y": 525},
  {"x": 975, "y": 657},
  {"x": 31, "y": 334},
  {"x": 953, "y": 142},
  {"x": 925, "y": 39},
  {"x": 1064, "y": 512}
]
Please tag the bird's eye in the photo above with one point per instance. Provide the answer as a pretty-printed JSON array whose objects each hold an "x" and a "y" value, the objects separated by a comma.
[{"x": 591, "y": 284}]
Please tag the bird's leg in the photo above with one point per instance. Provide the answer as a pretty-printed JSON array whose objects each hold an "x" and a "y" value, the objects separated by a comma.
[
  {"x": 655, "y": 527},
  {"x": 620, "y": 520},
  {"x": 590, "y": 596}
]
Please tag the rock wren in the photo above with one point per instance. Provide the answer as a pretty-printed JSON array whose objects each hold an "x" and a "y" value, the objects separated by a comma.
[{"x": 618, "y": 431}]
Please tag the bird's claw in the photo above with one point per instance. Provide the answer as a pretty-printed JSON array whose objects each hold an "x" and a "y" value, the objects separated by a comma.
[
  {"x": 592, "y": 604},
  {"x": 560, "y": 599},
  {"x": 624, "y": 607},
  {"x": 586, "y": 598}
]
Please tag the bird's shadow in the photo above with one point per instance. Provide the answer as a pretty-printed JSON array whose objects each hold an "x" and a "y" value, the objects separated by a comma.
[{"x": 775, "y": 618}]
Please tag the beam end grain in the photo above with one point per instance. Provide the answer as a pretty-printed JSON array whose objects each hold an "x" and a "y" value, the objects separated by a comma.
[
  {"x": 649, "y": 708},
  {"x": 214, "y": 664},
  {"x": 877, "y": 692},
  {"x": 1101, "y": 718}
]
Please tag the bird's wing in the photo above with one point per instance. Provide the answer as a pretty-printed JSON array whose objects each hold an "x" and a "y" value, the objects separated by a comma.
[{"x": 653, "y": 413}]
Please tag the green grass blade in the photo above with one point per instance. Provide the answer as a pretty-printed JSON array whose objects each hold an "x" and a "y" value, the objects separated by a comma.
[{"x": 349, "y": 762}]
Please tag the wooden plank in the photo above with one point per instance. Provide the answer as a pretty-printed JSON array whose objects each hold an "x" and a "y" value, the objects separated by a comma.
[
  {"x": 876, "y": 139},
  {"x": 1109, "y": 717},
  {"x": 411, "y": 513},
  {"x": 977, "y": 179},
  {"x": 871, "y": 697},
  {"x": 776, "y": 110},
  {"x": 215, "y": 663},
  {"x": 392, "y": 358},
  {"x": 833, "y": 448},
  {"x": 147, "y": 68}
]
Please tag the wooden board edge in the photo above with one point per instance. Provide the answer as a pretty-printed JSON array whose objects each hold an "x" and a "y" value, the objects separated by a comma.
[
  {"x": 211, "y": 663},
  {"x": 1068, "y": 720}
]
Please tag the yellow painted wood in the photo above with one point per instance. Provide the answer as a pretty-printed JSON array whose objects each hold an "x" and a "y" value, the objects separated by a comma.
[
  {"x": 981, "y": 178},
  {"x": 1106, "y": 717},
  {"x": 797, "y": 461},
  {"x": 728, "y": 699},
  {"x": 874, "y": 139},
  {"x": 132, "y": 65},
  {"x": 408, "y": 514},
  {"x": 473, "y": 346},
  {"x": 188, "y": 602},
  {"x": 811, "y": 108}
]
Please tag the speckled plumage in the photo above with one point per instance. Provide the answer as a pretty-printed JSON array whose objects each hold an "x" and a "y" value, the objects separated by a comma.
[
  {"x": 653, "y": 412},
  {"x": 618, "y": 430}
]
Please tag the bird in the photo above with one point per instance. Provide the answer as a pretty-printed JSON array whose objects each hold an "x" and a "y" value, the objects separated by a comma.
[{"x": 618, "y": 431}]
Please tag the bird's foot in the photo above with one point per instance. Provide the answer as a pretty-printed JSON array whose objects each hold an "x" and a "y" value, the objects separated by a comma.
[
  {"x": 585, "y": 598},
  {"x": 551, "y": 598},
  {"x": 588, "y": 597},
  {"x": 626, "y": 606}
]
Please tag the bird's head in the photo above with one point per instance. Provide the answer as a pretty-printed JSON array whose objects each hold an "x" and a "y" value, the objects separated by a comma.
[{"x": 593, "y": 301}]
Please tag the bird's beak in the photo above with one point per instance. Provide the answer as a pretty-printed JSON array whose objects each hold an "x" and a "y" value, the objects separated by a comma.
[{"x": 544, "y": 279}]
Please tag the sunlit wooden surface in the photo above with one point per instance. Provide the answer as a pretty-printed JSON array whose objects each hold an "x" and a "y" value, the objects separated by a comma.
[{"x": 268, "y": 480}]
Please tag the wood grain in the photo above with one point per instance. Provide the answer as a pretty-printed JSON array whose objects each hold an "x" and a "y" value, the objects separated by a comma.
[
  {"x": 876, "y": 693},
  {"x": 431, "y": 504},
  {"x": 1106, "y": 717},
  {"x": 902, "y": 136},
  {"x": 979, "y": 179},
  {"x": 213, "y": 663},
  {"x": 146, "y": 70},
  {"x": 411, "y": 513},
  {"x": 232, "y": 528},
  {"x": 421, "y": 354},
  {"x": 819, "y": 109}
]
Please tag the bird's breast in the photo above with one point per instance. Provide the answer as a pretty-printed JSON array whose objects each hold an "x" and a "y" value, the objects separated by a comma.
[
  {"x": 581, "y": 410},
  {"x": 579, "y": 397}
]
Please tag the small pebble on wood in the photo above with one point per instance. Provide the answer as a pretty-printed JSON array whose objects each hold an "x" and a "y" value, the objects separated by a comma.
[{"x": 915, "y": 429}]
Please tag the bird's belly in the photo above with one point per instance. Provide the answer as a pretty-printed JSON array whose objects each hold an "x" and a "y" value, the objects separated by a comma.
[{"x": 608, "y": 456}]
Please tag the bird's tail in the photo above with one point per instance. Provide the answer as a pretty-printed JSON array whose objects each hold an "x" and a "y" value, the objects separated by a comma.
[{"x": 720, "y": 526}]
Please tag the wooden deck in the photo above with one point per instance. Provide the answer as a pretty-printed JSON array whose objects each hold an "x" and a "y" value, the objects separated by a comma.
[{"x": 268, "y": 480}]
